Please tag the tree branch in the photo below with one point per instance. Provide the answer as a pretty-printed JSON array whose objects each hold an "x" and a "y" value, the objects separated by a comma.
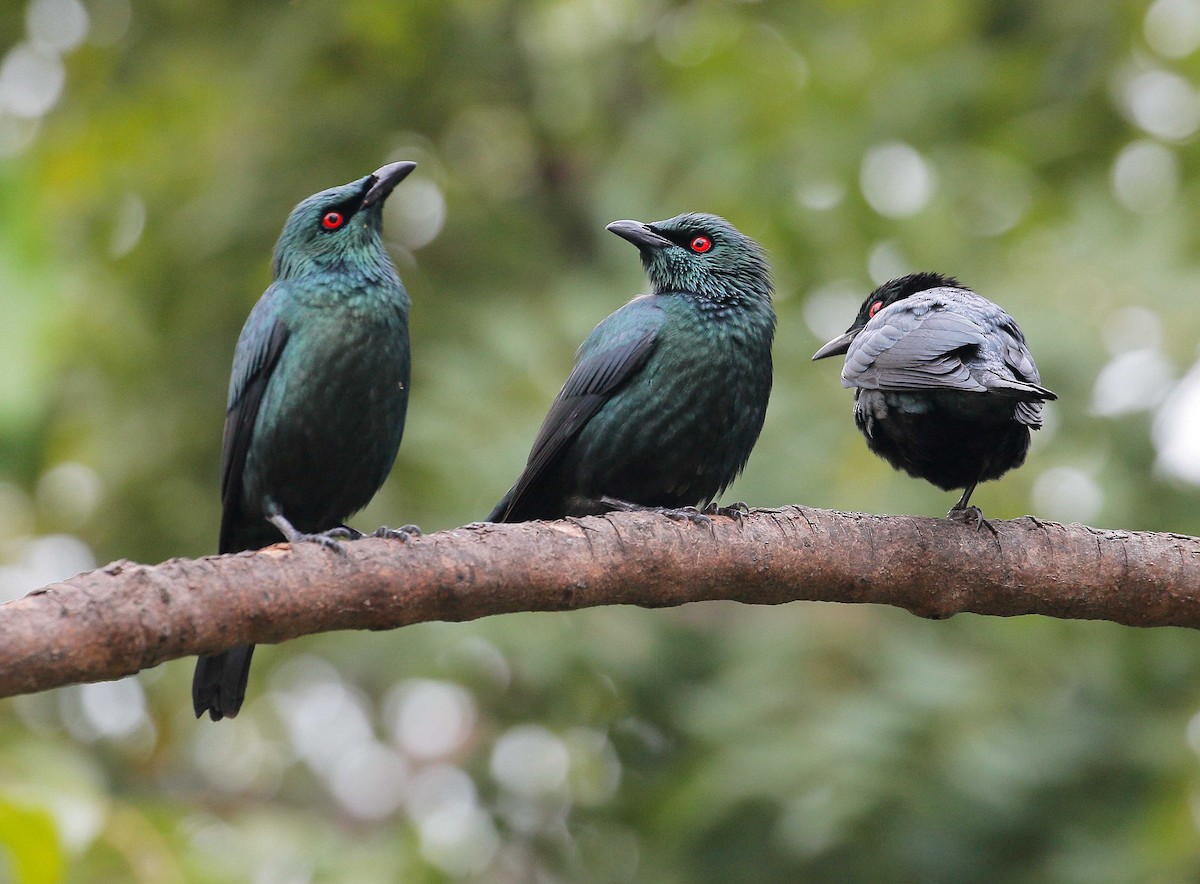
[{"x": 125, "y": 617}]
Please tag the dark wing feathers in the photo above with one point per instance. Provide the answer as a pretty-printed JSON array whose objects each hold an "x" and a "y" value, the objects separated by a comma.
[
  {"x": 605, "y": 362},
  {"x": 258, "y": 351}
]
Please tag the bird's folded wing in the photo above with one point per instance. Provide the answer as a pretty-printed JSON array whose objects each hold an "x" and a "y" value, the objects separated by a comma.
[
  {"x": 1025, "y": 380},
  {"x": 911, "y": 348},
  {"x": 1019, "y": 362},
  {"x": 907, "y": 348},
  {"x": 258, "y": 350},
  {"x": 606, "y": 361}
]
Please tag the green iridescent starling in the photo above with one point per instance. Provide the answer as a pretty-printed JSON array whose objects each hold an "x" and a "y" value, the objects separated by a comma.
[
  {"x": 318, "y": 393},
  {"x": 668, "y": 394}
]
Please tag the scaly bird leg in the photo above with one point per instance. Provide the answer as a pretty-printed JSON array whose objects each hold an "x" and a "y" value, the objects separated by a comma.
[
  {"x": 961, "y": 512},
  {"x": 737, "y": 511},
  {"x": 679, "y": 514},
  {"x": 325, "y": 538},
  {"x": 407, "y": 533}
]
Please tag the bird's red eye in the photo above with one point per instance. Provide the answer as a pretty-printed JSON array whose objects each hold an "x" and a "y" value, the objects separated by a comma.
[
  {"x": 701, "y": 244},
  {"x": 874, "y": 308},
  {"x": 332, "y": 220}
]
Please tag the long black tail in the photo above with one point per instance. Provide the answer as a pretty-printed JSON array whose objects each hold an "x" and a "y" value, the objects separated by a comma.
[{"x": 219, "y": 685}]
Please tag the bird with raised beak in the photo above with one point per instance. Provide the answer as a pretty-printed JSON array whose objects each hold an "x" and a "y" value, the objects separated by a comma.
[{"x": 318, "y": 394}]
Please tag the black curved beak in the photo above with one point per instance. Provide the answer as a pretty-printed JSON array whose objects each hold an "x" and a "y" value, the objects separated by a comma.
[
  {"x": 838, "y": 345},
  {"x": 386, "y": 179},
  {"x": 641, "y": 235}
]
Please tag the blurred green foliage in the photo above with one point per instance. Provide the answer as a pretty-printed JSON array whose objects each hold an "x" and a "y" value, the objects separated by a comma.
[{"x": 1044, "y": 152}]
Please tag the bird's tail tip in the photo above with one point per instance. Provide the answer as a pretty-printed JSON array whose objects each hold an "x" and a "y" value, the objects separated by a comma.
[{"x": 219, "y": 683}]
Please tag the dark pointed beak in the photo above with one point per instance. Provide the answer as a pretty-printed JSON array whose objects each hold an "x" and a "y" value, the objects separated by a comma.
[
  {"x": 641, "y": 235},
  {"x": 838, "y": 345},
  {"x": 386, "y": 179}
]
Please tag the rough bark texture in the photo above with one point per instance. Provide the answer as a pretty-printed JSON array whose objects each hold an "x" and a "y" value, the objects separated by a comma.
[{"x": 125, "y": 617}]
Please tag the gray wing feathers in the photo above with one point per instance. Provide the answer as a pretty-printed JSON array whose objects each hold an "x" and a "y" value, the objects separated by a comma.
[
  {"x": 913, "y": 350},
  {"x": 922, "y": 344}
]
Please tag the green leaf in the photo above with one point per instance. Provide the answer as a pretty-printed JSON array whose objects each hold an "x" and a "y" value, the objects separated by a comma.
[{"x": 29, "y": 848}]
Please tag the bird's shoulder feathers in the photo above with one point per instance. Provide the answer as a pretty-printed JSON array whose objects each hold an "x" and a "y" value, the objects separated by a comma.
[{"x": 616, "y": 350}]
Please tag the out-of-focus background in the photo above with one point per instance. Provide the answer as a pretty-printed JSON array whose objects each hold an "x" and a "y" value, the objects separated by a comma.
[{"x": 1042, "y": 151}]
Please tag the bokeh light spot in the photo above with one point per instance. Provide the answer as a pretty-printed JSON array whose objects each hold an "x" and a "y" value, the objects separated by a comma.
[
  {"x": 417, "y": 218},
  {"x": 1176, "y": 431},
  {"x": 1132, "y": 381},
  {"x": 530, "y": 760},
  {"x": 68, "y": 494},
  {"x": 1163, "y": 104},
  {"x": 369, "y": 781},
  {"x": 325, "y": 719},
  {"x": 238, "y": 759},
  {"x": 829, "y": 310},
  {"x": 1145, "y": 176},
  {"x": 31, "y": 81},
  {"x": 886, "y": 261},
  {"x": 44, "y": 560},
  {"x": 57, "y": 25},
  {"x": 457, "y": 835},
  {"x": 1132, "y": 328},
  {"x": 896, "y": 180},
  {"x": 129, "y": 225},
  {"x": 113, "y": 709},
  {"x": 1172, "y": 27},
  {"x": 430, "y": 719},
  {"x": 110, "y": 21},
  {"x": 820, "y": 196},
  {"x": 1067, "y": 494}
]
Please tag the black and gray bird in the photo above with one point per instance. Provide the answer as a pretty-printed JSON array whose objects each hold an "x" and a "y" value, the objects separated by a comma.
[
  {"x": 945, "y": 387},
  {"x": 668, "y": 394},
  {"x": 318, "y": 394}
]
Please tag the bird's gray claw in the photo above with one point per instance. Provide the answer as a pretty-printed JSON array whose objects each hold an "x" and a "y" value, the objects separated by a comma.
[
  {"x": 407, "y": 533},
  {"x": 326, "y": 539},
  {"x": 970, "y": 514},
  {"x": 687, "y": 514},
  {"x": 679, "y": 514},
  {"x": 737, "y": 511}
]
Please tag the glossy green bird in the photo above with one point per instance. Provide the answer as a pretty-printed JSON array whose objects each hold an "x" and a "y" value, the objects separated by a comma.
[
  {"x": 668, "y": 394},
  {"x": 318, "y": 393}
]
